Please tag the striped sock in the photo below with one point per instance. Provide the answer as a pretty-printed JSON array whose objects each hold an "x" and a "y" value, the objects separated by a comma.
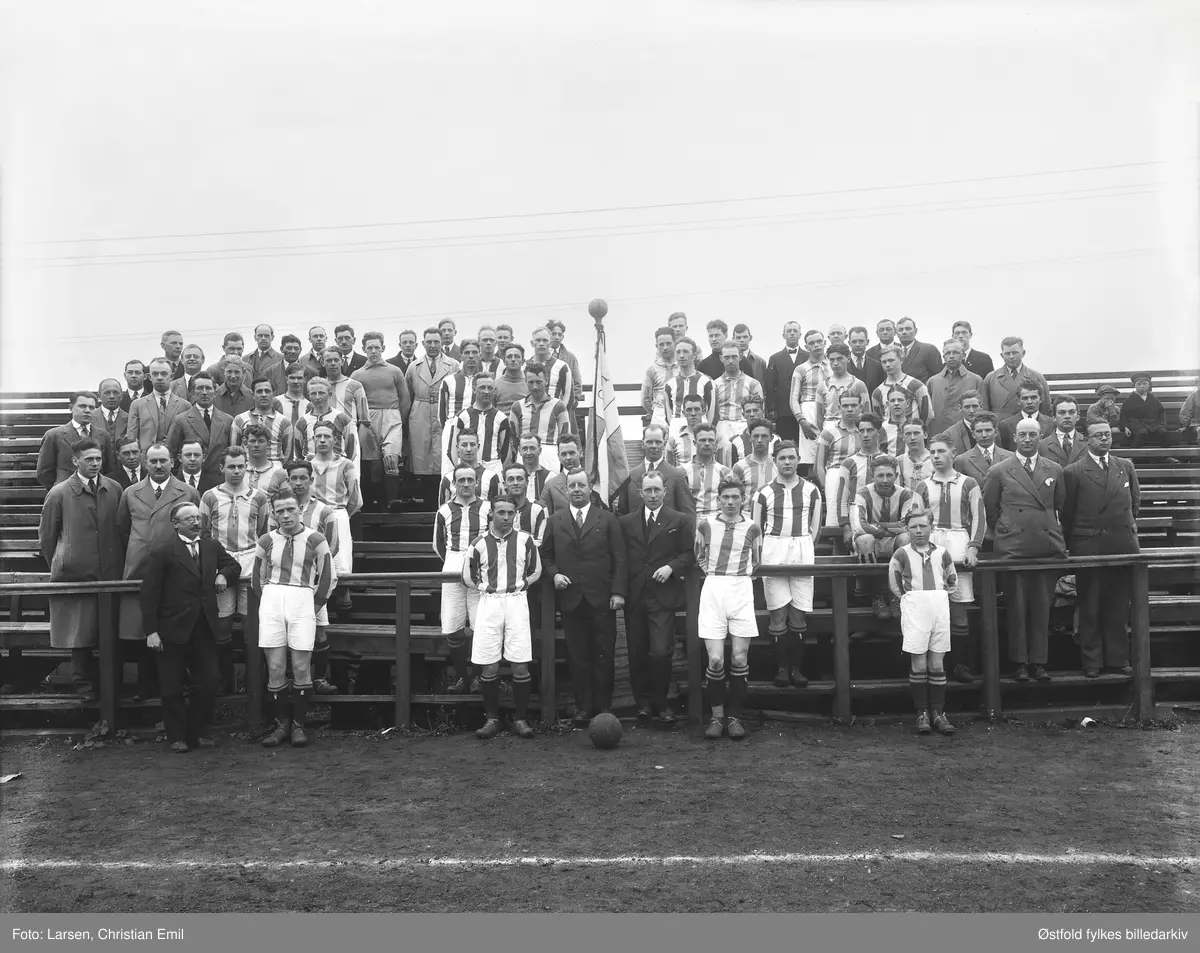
[
  {"x": 738, "y": 674},
  {"x": 918, "y": 683},
  {"x": 937, "y": 692}
]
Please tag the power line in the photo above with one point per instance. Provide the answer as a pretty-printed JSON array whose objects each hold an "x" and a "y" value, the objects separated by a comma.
[
  {"x": 603, "y": 210},
  {"x": 288, "y": 251},
  {"x": 576, "y": 306}
]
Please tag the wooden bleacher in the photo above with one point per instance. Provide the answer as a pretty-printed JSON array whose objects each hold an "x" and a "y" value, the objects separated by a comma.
[{"x": 399, "y": 543}]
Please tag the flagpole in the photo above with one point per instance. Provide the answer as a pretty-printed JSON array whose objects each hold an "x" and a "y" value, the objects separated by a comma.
[{"x": 598, "y": 308}]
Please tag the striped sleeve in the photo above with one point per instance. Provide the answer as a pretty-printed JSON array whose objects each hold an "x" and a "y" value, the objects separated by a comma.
[
  {"x": 703, "y": 536},
  {"x": 439, "y": 532},
  {"x": 857, "y": 511},
  {"x": 533, "y": 560},
  {"x": 848, "y": 491},
  {"x": 950, "y": 574},
  {"x": 973, "y": 512},
  {"x": 898, "y": 569},
  {"x": 323, "y": 565},
  {"x": 207, "y": 502},
  {"x": 754, "y": 538},
  {"x": 262, "y": 560},
  {"x": 475, "y": 565},
  {"x": 539, "y": 524}
]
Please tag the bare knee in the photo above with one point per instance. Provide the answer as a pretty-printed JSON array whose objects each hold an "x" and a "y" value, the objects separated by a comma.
[
  {"x": 935, "y": 662},
  {"x": 918, "y": 663},
  {"x": 491, "y": 671}
]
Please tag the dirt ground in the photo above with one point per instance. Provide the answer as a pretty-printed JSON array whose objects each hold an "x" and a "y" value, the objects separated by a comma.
[{"x": 786, "y": 790}]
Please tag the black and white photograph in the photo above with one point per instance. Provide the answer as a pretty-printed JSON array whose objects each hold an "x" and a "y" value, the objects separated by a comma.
[{"x": 656, "y": 457}]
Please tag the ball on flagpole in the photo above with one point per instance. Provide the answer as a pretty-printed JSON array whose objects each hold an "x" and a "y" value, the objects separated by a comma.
[{"x": 598, "y": 308}]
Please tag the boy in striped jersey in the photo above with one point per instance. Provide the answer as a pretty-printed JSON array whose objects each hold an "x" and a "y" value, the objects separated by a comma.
[
  {"x": 335, "y": 483},
  {"x": 838, "y": 441},
  {"x": 559, "y": 381},
  {"x": 500, "y": 567},
  {"x": 877, "y": 521},
  {"x": 787, "y": 512},
  {"x": 704, "y": 473},
  {"x": 539, "y": 413},
  {"x": 728, "y": 552},
  {"x": 916, "y": 464},
  {"x": 487, "y": 482},
  {"x": 856, "y": 470},
  {"x": 318, "y": 411},
  {"x": 531, "y": 516},
  {"x": 729, "y": 390},
  {"x": 263, "y": 413},
  {"x": 687, "y": 382},
  {"x": 654, "y": 385},
  {"x": 459, "y": 522},
  {"x": 681, "y": 448},
  {"x": 317, "y": 515},
  {"x": 293, "y": 404},
  {"x": 807, "y": 379},
  {"x": 921, "y": 574},
  {"x": 742, "y": 445},
  {"x": 757, "y": 468},
  {"x": 293, "y": 577},
  {"x": 839, "y": 382},
  {"x": 262, "y": 472},
  {"x": 530, "y": 449},
  {"x": 493, "y": 427},
  {"x": 457, "y": 390},
  {"x": 235, "y": 515},
  {"x": 919, "y": 407},
  {"x": 959, "y": 523},
  {"x": 893, "y": 425}
]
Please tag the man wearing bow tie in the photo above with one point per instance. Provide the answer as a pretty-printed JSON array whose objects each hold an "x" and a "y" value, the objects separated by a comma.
[
  {"x": 1023, "y": 496},
  {"x": 659, "y": 546},
  {"x": 777, "y": 386},
  {"x": 1100, "y": 518}
]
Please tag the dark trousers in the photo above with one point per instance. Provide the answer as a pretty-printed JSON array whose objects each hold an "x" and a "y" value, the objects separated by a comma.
[
  {"x": 591, "y": 633},
  {"x": 1148, "y": 434},
  {"x": 786, "y": 427},
  {"x": 82, "y": 670},
  {"x": 1030, "y": 602},
  {"x": 1104, "y": 597},
  {"x": 135, "y": 650},
  {"x": 650, "y": 638},
  {"x": 184, "y": 720}
]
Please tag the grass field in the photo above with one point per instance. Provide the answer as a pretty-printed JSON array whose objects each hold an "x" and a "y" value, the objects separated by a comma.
[{"x": 793, "y": 819}]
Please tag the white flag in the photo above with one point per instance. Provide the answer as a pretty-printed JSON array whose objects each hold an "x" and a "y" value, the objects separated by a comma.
[{"x": 605, "y": 460}]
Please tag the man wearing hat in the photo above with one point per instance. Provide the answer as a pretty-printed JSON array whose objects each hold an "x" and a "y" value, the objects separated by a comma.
[{"x": 1143, "y": 417}]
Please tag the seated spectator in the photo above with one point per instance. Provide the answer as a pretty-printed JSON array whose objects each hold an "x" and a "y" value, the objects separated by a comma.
[
  {"x": 1143, "y": 417},
  {"x": 1105, "y": 408}
]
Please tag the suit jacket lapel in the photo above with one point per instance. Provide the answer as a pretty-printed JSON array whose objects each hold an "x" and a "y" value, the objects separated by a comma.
[
  {"x": 1028, "y": 479},
  {"x": 1095, "y": 474},
  {"x": 592, "y": 518},
  {"x": 659, "y": 517},
  {"x": 1116, "y": 476},
  {"x": 182, "y": 552}
]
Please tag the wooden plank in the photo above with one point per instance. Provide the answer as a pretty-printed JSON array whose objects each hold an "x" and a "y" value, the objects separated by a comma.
[
  {"x": 1139, "y": 644},
  {"x": 109, "y": 670},
  {"x": 990, "y": 646},
  {"x": 254, "y": 665},
  {"x": 697, "y": 658},
  {"x": 546, "y": 635},
  {"x": 403, "y": 656},
  {"x": 841, "y": 651}
]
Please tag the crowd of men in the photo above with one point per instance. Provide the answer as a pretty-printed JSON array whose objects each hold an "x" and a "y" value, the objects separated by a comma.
[{"x": 210, "y": 482}]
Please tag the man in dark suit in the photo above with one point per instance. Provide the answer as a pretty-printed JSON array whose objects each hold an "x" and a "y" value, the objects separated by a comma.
[
  {"x": 343, "y": 337},
  {"x": 1001, "y": 388},
  {"x": 921, "y": 360},
  {"x": 678, "y": 496},
  {"x": 974, "y": 361},
  {"x": 128, "y": 469},
  {"x": 109, "y": 416},
  {"x": 192, "y": 362},
  {"x": 1065, "y": 444},
  {"x": 584, "y": 553},
  {"x": 961, "y": 435},
  {"x": 554, "y": 495},
  {"x": 885, "y": 330},
  {"x": 137, "y": 383},
  {"x": 977, "y": 462},
  {"x": 1030, "y": 397},
  {"x": 203, "y": 422},
  {"x": 777, "y": 387},
  {"x": 55, "y": 458},
  {"x": 172, "y": 347},
  {"x": 179, "y": 609},
  {"x": 1023, "y": 496},
  {"x": 408, "y": 350},
  {"x": 1100, "y": 518},
  {"x": 866, "y": 368},
  {"x": 659, "y": 551}
]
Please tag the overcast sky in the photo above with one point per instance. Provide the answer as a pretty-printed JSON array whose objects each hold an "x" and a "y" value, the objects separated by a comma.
[{"x": 212, "y": 165}]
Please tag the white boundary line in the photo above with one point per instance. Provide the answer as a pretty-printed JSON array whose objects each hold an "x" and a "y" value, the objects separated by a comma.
[{"x": 632, "y": 860}]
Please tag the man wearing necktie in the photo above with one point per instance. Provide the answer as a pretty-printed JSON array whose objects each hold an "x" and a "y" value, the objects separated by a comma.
[
  {"x": 109, "y": 416},
  {"x": 150, "y": 417},
  {"x": 144, "y": 520},
  {"x": 1023, "y": 496},
  {"x": 862, "y": 365},
  {"x": 56, "y": 456},
  {"x": 178, "y": 601},
  {"x": 203, "y": 422},
  {"x": 80, "y": 542},
  {"x": 584, "y": 553},
  {"x": 659, "y": 551},
  {"x": 1100, "y": 518},
  {"x": 978, "y": 462},
  {"x": 137, "y": 383},
  {"x": 1064, "y": 445},
  {"x": 777, "y": 386}
]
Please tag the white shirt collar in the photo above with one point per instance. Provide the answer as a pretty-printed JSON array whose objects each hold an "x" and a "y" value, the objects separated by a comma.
[
  {"x": 581, "y": 510},
  {"x": 188, "y": 542},
  {"x": 649, "y": 514},
  {"x": 1097, "y": 460},
  {"x": 78, "y": 426},
  {"x": 1032, "y": 460}
]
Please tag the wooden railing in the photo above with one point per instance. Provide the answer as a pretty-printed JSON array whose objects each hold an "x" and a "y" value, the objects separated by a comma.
[{"x": 838, "y": 569}]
